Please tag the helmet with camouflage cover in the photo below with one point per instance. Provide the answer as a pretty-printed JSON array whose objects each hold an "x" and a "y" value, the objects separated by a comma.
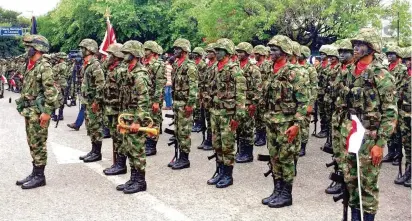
[
  {"x": 199, "y": 51},
  {"x": 159, "y": 50},
  {"x": 61, "y": 55},
  {"x": 371, "y": 37},
  {"x": 151, "y": 45},
  {"x": 90, "y": 45},
  {"x": 296, "y": 48},
  {"x": 245, "y": 46},
  {"x": 210, "y": 47},
  {"x": 225, "y": 44},
  {"x": 324, "y": 49},
  {"x": 332, "y": 51},
  {"x": 182, "y": 43},
  {"x": 345, "y": 44},
  {"x": 283, "y": 42},
  {"x": 260, "y": 49},
  {"x": 115, "y": 50},
  {"x": 47, "y": 57},
  {"x": 394, "y": 49},
  {"x": 38, "y": 42},
  {"x": 133, "y": 47},
  {"x": 305, "y": 51},
  {"x": 406, "y": 52}
]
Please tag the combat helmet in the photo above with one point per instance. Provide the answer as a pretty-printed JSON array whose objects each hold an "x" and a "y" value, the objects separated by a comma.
[
  {"x": 324, "y": 49},
  {"x": 90, "y": 45},
  {"x": 210, "y": 47},
  {"x": 305, "y": 51},
  {"x": 283, "y": 42},
  {"x": 371, "y": 37},
  {"x": 61, "y": 55},
  {"x": 245, "y": 46},
  {"x": 133, "y": 47},
  {"x": 296, "y": 48},
  {"x": 332, "y": 51},
  {"x": 260, "y": 49},
  {"x": 115, "y": 50},
  {"x": 345, "y": 44},
  {"x": 406, "y": 52},
  {"x": 159, "y": 50},
  {"x": 151, "y": 45},
  {"x": 182, "y": 43},
  {"x": 38, "y": 42},
  {"x": 199, "y": 51},
  {"x": 394, "y": 49},
  {"x": 225, "y": 44}
]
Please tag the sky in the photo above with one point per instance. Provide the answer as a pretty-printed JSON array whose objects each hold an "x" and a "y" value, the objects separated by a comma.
[{"x": 29, "y": 7}]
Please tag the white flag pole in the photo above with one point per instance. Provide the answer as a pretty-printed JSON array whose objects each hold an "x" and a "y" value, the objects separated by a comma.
[{"x": 359, "y": 185}]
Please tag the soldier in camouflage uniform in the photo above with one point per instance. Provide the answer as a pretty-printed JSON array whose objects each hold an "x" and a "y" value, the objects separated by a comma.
[
  {"x": 134, "y": 99},
  {"x": 322, "y": 77},
  {"x": 60, "y": 81},
  {"x": 185, "y": 91},
  {"x": 111, "y": 108},
  {"x": 156, "y": 68},
  {"x": 253, "y": 95},
  {"x": 265, "y": 67},
  {"x": 285, "y": 103},
  {"x": 37, "y": 101},
  {"x": 312, "y": 94},
  {"x": 403, "y": 85},
  {"x": 92, "y": 97},
  {"x": 2, "y": 73},
  {"x": 198, "y": 54},
  {"x": 397, "y": 69},
  {"x": 205, "y": 79},
  {"x": 228, "y": 94},
  {"x": 377, "y": 112}
]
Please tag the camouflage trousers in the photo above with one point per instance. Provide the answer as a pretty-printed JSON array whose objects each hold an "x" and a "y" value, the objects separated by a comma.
[
  {"x": 340, "y": 131},
  {"x": 321, "y": 109},
  {"x": 111, "y": 123},
  {"x": 208, "y": 120},
  {"x": 282, "y": 154},
  {"x": 157, "y": 120},
  {"x": 183, "y": 126},
  {"x": 223, "y": 138},
  {"x": 94, "y": 124},
  {"x": 245, "y": 130},
  {"x": 369, "y": 177},
  {"x": 259, "y": 123},
  {"x": 37, "y": 138},
  {"x": 133, "y": 146},
  {"x": 305, "y": 129},
  {"x": 1, "y": 88},
  {"x": 405, "y": 125},
  {"x": 197, "y": 112}
]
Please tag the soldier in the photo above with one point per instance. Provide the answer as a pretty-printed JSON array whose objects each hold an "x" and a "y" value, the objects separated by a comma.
[
  {"x": 134, "y": 99},
  {"x": 312, "y": 94},
  {"x": 322, "y": 75},
  {"x": 377, "y": 113},
  {"x": 60, "y": 81},
  {"x": 285, "y": 104},
  {"x": 260, "y": 52},
  {"x": 253, "y": 95},
  {"x": 37, "y": 101},
  {"x": 397, "y": 69},
  {"x": 111, "y": 108},
  {"x": 185, "y": 91},
  {"x": 156, "y": 68},
  {"x": 198, "y": 54},
  {"x": 205, "y": 79},
  {"x": 404, "y": 92},
  {"x": 3, "y": 79},
  {"x": 92, "y": 97},
  {"x": 228, "y": 95}
]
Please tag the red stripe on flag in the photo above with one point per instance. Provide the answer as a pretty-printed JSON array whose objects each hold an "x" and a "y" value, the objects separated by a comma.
[
  {"x": 109, "y": 38},
  {"x": 352, "y": 131}
]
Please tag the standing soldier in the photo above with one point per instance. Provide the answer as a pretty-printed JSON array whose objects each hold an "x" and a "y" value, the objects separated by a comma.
[
  {"x": 312, "y": 94},
  {"x": 2, "y": 74},
  {"x": 253, "y": 95},
  {"x": 185, "y": 91},
  {"x": 134, "y": 99},
  {"x": 198, "y": 120},
  {"x": 111, "y": 108},
  {"x": 228, "y": 88},
  {"x": 322, "y": 77},
  {"x": 377, "y": 113},
  {"x": 265, "y": 67},
  {"x": 92, "y": 97},
  {"x": 285, "y": 104},
  {"x": 37, "y": 101},
  {"x": 60, "y": 81},
  {"x": 157, "y": 78}
]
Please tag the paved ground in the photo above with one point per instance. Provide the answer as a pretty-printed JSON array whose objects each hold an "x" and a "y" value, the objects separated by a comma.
[{"x": 78, "y": 191}]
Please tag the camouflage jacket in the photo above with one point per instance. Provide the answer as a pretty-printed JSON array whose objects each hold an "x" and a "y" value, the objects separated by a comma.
[
  {"x": 330, "y": 90},
  {"x": 265, "y": 68},
  {"x": 59, "y": 76},
  {"x": 341, "y": 84},
  {"x": 111, "y": 90},
  {"x": 313, "y": 83},
  {"x": 157, "y": 77},
  {"x": 398, "y": 71},
  {"x": 38, "y": 86},
  {"x": 322, "y": 79},
  {"x": 185, "y": 83},
  {"x": 253, "y": 83},
  {"x": 285, "y": 96},
  {"x": 92, "y": 82},
  {"x": 404, "y": 92},
  {"x": 205, "y": 82}
]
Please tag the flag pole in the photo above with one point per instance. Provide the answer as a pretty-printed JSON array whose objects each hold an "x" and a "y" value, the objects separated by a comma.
[{"x": 359, "y": 185}]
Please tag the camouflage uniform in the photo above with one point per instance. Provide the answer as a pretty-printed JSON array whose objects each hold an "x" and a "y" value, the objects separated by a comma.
[
  {"x": 2, "y": 73},
  {"x": 201, "y": 68},
  {"x": 60, "y": 81},
  {"x": 322, "y": 84},
  {"x": 378, "y": 113}
]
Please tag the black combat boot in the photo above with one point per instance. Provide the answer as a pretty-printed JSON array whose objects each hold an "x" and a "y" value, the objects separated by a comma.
[
  {"x": 247, "y": 155},
  {"x": 27, "y": 179},
  {"x": 150, "y": 147},
  {"x": 96, "y": 155},
  {"x": 122, "y": 186},
  {"x": 277, "y": 183},
  {"x": 260, "y": 138},
  {"x": 214, "y": 180},
  {"x": 38, "y": 180},
  {"x": 138, "y": 182},
  {"x": 397, "y": 159},
  {"x": 89, "y": 153},
  {"x": 408, "y": 181},
  {"x": 53, "y": 116},
  {"x": 227, "y": 178},
  {"x": 60, "y": 116},
  {"x": 284, "y": 198},
  {"x": 200, "y": 147},
  {"x": 207, "y": 145},
  {"x": 119, "y": 167},
  {"x": 302, "y": 150},
  {"x": 323, "y": 131},
  {"x": 368, "y": 217},
  {"x": 355, "y": 214},
  {"x": 197, "y": 126},
  {"x": 391, "y": 153},
  {"x": 241, "y": 150},
  {"x": 407, "y": 175},
  {"x": 182, "y": 162}
]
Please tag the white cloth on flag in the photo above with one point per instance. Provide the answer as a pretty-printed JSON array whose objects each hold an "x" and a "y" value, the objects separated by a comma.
[
  {"x": 355, "y": 135},
  {"x": 109, "y": 38}
]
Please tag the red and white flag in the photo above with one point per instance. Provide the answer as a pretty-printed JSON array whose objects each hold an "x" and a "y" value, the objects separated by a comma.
[
  {"x": 3, "y": 79},
  {"x": 109, "y": 38},
  {"x": 355, "y": 138}
]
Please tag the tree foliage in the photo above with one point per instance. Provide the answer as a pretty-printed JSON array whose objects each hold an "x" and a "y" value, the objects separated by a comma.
[{"x": 11, "y": 46}]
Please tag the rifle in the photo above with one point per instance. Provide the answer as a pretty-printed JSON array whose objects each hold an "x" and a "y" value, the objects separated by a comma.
[
  {"x": 203, "y": 120},
  {"x": 173, "y": 141},
  {"x": 337, "y": 177},
  {"x": 399, "y": 146},
  {"x": 266, "y": 158},
  {"x": 315, "y": 118}
]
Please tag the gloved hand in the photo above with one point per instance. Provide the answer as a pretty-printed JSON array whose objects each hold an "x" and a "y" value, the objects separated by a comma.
[
  {"x": 234, "y": 125},
  {"x": 95, "y": 107},
  {"x": 134, "y": 128},
  {"x": 376, "y": 154},
  {"x": 155, "y": 107},
  {"x": 44, "y": 119},
  {"x": 252, "y": 110},
  {"x": 188, "y": 111},
  {"x": 309, "y": 110},
  {"x": 292, "y": 132}
]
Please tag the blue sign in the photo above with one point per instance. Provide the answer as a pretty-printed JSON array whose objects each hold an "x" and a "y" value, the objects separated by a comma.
[{"x": 10, "y": 31}]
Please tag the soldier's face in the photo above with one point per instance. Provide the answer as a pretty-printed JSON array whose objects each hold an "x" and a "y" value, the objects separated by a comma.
[
  {"x": 110, "y": 58},
  {"x": 30, "y": 51},
  {"x": 128, "y": 57},
  {"x": 275, "y": 53},
  {"x": 258, "y": 56},
  {"x": 84, "y": 52},
  {"x": 178, "y": 52},
  {"x": 333, "y": 59},
  {"x": 211, "y": 55},
  {"x": 147, "y": 52},
  {"x": 323, "y": 56},
  {"x": 408, "y": 62},
  {"x": 242, "y": 55},
  {"x": 392, "y": 57},
  {"x": 192, "y": 56},
  {"x": 360, "y": 50},
  {"x": 345, "y": 56},
  {"x": 220, "y": 54}
]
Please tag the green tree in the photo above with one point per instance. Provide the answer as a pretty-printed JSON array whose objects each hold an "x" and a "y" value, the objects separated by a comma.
[
  {"x": 398, "y": 13},
  {"x": 11, "y": 46}
]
